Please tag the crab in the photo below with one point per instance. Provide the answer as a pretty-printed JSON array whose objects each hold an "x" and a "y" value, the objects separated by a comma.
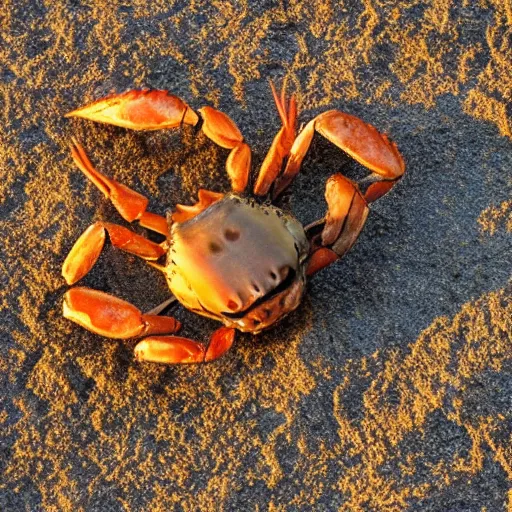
[{"x": 235, "y": 257}]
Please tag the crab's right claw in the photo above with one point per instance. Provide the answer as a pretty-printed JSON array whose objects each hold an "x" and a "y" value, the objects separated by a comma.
[
  {"x": 139, "y": 110},
  {"x": 360, "y": 140},
  {"x": 178, "y": 350},
  {"x": 109, "y": 316},
  {"x": 333, "y": 236}
]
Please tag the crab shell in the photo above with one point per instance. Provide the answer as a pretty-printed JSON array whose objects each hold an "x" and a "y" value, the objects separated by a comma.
[{"x": 239, "y": 262}]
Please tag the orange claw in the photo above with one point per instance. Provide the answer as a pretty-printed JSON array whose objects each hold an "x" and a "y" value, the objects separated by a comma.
[
  {"x": 363, "y": 142},
  {"x": 139, "y": 110},
  {"x": 87, "y": 248},
  {"x": 109, "y": 316},
  {"x": 360, "y": 140},
  {"x": 175, "y": 349}
]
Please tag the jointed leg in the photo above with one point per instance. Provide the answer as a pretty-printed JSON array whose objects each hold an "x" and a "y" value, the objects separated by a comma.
[
  {"x": 109, "y": 316},
  {"x": 130, "y": 204},
  {"x": 156, "y": 109},
  {"x": 281, "y": 144},
  {"x": 223, "y": 131},
  {"x": 87, "y": 248},
  {"x": 334, "y": 235},
  {"x": 174, "y": 349},
  {"x": 360, "y": 140}
]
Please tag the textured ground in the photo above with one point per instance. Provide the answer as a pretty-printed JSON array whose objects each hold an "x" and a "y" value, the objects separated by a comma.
[{"x": 389, "y": 389}]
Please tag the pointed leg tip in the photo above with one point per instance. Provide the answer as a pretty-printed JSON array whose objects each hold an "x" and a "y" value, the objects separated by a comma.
[{"x": 70, "y": 280}]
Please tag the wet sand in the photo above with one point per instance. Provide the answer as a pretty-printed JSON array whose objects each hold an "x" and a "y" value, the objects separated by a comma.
[{"x": 389, "y": 389}]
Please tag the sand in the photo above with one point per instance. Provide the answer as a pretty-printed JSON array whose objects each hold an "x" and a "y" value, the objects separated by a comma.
[{"x": 389, "y": 389}]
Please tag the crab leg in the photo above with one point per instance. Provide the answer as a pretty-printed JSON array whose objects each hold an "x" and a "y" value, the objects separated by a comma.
[
  {"x": 130, "y": 204},
  {"x": 222, "y": 130},
  {"x": 156, "y": 109},
  {"x": 281, "y": 144},
  {"x": 175, "y": 349},
  {"x": 205, "y": 199},
  {"x": 333, "y": 236},
  {"x": 87, "y": 248},
  {"x": 139, "y": 110},
  {"x": 109, "y": 316},
  {"x": 360, "y": 140}
]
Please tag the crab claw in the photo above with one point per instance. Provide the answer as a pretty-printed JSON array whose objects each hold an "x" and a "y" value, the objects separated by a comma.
[
  {"x": 360, "y": 140},
  {"x": 175, "y": 349},
  {"x": 109, "y": 316},
  {"x": 87, "y": 248},
  {"x": 347, "y": 210},
  {"x": 147, "y": 109}
]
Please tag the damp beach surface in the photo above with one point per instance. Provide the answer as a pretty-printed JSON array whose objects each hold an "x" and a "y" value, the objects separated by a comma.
[{"x": 389, "y": 388}]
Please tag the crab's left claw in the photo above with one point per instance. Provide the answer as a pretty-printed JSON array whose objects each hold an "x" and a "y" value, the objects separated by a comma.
[
  {"x": 178, "y": 350},
  {"x": 139, "y": 110},
  {"x": 151, "y": 109}
]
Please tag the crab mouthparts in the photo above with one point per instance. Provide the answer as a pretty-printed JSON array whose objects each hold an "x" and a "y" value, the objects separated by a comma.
[{"x": 281, "y": 287}]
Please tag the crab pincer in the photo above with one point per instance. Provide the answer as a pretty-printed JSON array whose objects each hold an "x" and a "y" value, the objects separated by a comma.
[
  {"x": 146, "y": 109},
  {"x": 151, "y": 109},
  {"x": 362, "y": 141},
  {"x": 175, "y": 349},
  {"x": 110, "y": 316}
]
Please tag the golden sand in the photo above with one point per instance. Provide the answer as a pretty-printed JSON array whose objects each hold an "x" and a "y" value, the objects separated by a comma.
[
  {"x": 495, "y": 216},
  {"x": 99, "y": 423}
]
